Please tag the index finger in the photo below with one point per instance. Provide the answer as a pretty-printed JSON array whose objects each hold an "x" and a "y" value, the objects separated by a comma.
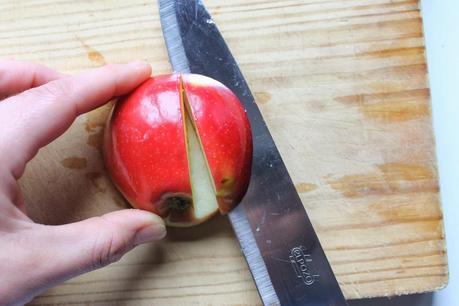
[
  {"x": 34, "y": 118},
  {"x": 17, "y": 76}
]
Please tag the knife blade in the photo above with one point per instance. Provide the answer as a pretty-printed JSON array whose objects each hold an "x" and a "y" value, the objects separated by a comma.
[{"x": 282, "y": 250}]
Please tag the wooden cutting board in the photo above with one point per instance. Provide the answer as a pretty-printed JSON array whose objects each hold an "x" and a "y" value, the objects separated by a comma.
[{"x": 343, "y": 87}]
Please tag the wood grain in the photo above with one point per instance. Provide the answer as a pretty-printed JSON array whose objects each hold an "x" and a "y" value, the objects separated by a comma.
[{"x": 343, "y": 87}]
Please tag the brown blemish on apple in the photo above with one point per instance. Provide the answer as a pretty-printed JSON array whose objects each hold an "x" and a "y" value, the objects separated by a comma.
[
  {"x": 393, "y": 106},
  {"x": 227, "y": 185},
  {"x": 74, "y": 162},
  {"x": 262, "y": 97},
  {"x": 97, "y": 180},
  {"x": 390, "y": 178},
  {"x": 305, "y": 187}
]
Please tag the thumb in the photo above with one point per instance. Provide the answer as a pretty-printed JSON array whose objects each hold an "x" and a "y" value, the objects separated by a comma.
[{"x": 93, "y": 243}]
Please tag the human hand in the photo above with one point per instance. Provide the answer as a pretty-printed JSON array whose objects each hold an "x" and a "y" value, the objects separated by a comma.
[{"x": 41, "y": 105}]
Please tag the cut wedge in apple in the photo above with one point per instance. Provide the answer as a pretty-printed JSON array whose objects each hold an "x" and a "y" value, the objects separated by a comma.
[
  {"x": 202, "y": 186},
  {"x": 181, "y": 147},
  {"x": 204, "y": 201}
]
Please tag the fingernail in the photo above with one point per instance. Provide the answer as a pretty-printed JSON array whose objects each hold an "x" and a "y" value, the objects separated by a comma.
[{"x": 150, "y": 233}]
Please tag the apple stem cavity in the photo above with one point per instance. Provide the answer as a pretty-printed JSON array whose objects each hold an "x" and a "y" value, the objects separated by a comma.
[{"x": 179, "y": 204}]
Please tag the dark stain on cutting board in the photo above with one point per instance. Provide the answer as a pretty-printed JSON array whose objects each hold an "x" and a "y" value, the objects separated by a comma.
[
  {"x": 93, "y": 55},
  {"x": 393, "y": 106},
  {"x": 262, "y": 97},
  {"x": 74, "y": 162},
  {"x": 96, "y": 140},
  {"x": 95, "y": 124},
  {"x": 97, "y": 180},
  {"x": 305, "y": 187},
  {"x": 391, "y": 178},
  {"x": 95, "y": 120}
]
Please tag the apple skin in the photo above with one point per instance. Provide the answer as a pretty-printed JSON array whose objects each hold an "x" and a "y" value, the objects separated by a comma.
[
  {"x": 225, "y": 135},
  {"x": 145, "y": 145}
]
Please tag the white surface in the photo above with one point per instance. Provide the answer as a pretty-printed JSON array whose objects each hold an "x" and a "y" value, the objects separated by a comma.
[{"x": 441, "y": 23}]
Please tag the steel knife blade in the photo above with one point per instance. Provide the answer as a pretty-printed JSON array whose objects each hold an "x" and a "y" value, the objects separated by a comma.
[{"x": 276, "y": 236}]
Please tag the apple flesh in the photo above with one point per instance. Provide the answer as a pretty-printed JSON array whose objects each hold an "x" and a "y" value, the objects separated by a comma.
[
  {"x": 181, "y": 147},
  {"x": 202, "y": 187}
]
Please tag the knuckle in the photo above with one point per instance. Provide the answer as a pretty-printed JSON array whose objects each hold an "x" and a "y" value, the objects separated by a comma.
[
  {"x": 56, "y": 89},
  {"x": 54, "y": 93}
]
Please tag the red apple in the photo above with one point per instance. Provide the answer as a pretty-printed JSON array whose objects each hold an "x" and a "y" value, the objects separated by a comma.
[{"x": 180, "y": 146}]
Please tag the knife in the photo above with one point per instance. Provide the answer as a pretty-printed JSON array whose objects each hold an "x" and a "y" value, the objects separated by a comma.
[{"x": 282, "y": 250}]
